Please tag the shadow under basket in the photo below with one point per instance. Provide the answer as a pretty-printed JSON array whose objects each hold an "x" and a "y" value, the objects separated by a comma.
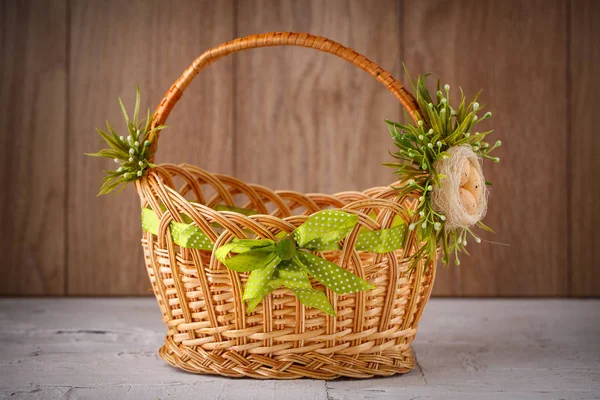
[{"x": 209, "y": 328}]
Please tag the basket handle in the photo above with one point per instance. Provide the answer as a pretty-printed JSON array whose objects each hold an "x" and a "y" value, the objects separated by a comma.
[{"x": 278, "y": 39}]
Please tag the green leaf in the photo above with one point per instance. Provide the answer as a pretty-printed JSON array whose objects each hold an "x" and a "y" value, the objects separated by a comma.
[
  {"x": 324, "y": 228},
  {"x": 114, "y": 142},
  {"x": 107, "y": 153},
  {"x": 412, "y": 82},
  {"x": 136, "y": 111},
  {"x": 485, "y": 227},
  {"x": 148, "y": 121},
  {"x": 124, "y": 111},
  {"x": 111, "y": 185}
]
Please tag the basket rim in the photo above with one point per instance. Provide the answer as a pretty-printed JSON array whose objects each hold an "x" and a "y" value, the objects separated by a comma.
[{"x": 349, "y": 201}]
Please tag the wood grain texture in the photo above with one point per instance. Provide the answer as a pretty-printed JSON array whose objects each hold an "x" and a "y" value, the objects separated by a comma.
[
  {"x": 32, "y": 146},
  {"x": 515, "y": 50},
  {"x": 293, "y": 118},
  {"x": 466, "y": 350},
  {"x": 584, "y": 146},
  {"x": 114, "y": 46},
  {"x": 305, "y": 120}
]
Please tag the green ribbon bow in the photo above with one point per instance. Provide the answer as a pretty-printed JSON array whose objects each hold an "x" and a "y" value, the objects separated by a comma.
[{"x": 288, "y": 262}]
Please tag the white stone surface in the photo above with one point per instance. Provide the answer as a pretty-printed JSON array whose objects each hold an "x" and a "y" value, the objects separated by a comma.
[{"x": 466, "y": 349}]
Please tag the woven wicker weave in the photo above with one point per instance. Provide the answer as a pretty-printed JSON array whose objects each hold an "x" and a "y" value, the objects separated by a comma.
[{"x": 209, "y": 330}]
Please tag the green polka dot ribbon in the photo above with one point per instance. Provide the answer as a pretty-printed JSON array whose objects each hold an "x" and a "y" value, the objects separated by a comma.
[
  {"x": 190, "y": 236},
  {"x": 184, "y": 234},
  {"x": 288, "y": 262},
  {"x": 382, "y": 240}
]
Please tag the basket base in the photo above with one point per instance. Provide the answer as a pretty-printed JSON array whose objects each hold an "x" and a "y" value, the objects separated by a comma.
[{"x": 288, "y": 366}]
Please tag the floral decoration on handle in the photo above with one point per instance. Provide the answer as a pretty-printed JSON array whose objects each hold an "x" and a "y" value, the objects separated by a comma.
[
  {"x": 440, "y": 157},
  {"x": 288, "y": 262},
  {"x": 131, "y": 153}
]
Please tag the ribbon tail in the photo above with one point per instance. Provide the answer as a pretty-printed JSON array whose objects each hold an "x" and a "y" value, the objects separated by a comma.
[
  {"x": 316, "y": 299},
  {"x": 259, "y": 279},
  {"x": 255, "y": 301},
  {"x": 292, "y": 276},
  {"x": 332, "y": 276}
]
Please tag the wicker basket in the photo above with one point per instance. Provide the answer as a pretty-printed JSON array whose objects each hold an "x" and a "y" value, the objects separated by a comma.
[{"x": 209, "y": 330}]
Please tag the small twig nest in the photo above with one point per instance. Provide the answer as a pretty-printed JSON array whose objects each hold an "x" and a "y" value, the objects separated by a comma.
[{"x": 462, "y": 194}]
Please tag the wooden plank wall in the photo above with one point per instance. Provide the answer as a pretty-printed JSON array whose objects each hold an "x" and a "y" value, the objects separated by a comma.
[
  {"x": 33, "y": 104},
  {"x": 116, "y": 45},
  {"x": 515, "y": 51},
  {"x": 293, "y": 119},
  {"x": 584, "y": 163}
]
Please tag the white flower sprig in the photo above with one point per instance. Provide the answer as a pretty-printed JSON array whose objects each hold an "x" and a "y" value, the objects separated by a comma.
[
  {"x": 420, "y": 145},
  {"x": 131, "y": 153}
]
